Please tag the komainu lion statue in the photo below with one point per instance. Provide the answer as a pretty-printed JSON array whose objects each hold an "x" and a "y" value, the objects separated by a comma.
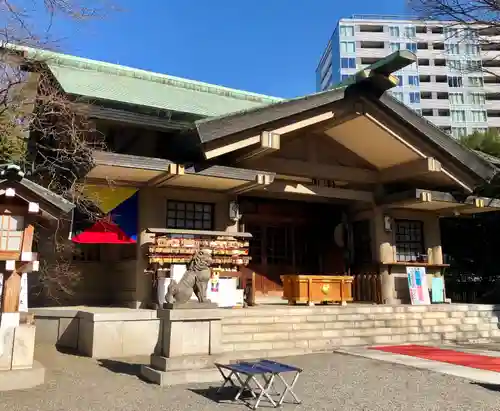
[{"x": 195, "y": 279}]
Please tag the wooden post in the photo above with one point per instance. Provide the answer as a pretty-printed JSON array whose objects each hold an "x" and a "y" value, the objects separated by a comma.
[{"x": 11, "y": 292}]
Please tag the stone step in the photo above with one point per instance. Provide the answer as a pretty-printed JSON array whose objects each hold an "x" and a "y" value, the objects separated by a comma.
[
  {"x": 266, "y": 311},
  {"x": 352, "y": 332},
  {"x": 481, "y": 323},
  {"x": 275, "y": 317},
  {"x": 483, "y": 329},
  {"x": 315, "y": 344}
]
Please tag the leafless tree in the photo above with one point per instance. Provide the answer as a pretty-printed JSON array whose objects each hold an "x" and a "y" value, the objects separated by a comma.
[
  {"x": 41, "y": 128},
  {"x": 474, "y": 21}
]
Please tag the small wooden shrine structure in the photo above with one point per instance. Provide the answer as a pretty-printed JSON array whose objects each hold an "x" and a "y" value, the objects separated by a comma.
[{"x": 23, "y": 203}]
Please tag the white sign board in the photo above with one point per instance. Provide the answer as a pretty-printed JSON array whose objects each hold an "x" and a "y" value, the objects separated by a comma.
[
  {"x": 417, "y": 284},
  {"x": 23, "y": 297}
]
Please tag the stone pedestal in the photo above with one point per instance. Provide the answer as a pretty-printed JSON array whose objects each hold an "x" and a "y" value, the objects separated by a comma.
[
  {"x": 17, "y": 347},
  {"x": 189, "y": 343}
]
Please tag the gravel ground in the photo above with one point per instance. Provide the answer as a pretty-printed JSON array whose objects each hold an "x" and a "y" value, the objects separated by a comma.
[{"x": 329, "y": 382}]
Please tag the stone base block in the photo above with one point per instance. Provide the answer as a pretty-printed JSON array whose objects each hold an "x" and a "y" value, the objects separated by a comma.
[
  {"x": 22, "y": 379},
  {"x": 190, "y": 305},
  {"x": 168, "y": 378}
]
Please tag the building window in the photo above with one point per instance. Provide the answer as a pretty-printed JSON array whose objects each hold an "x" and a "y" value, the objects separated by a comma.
[
  {"x": 400, "y": 80},
  {"x": 344, "y": 77},
  {"x": 411, "y": 47},
  {"x": 476, "y": 81},
  {"x": 458, "y": 132},
  {"x": 477, "y": 116},
  {"x": 348, "y": 62},
  {"x": 472, "y": 49},
  {"x": 454, "y": 64},
  {"x": 472, "y": 65},
  {"x": 327, "y": 64},
  {"x": 347, "y": 46},
  {"x": 410, "y": 32},
  {"x": 477, "y": 98},
  {"x": 455, "y": 81},
  {"x": 414, "y": 97},
  {"x": 394, "y": 31},
  {"x": 480, "y": 130},
  {"x": 395, "y": 46},
  {"x": 347, "y": 31},
  {"x": 456, "y": 98},
  {"x": 397, "y": 95},
  {"x": 452, "y": 48},
  {"x": 450, "y": 32},
  {"x": 191, "y": 216},
  {"x": 409, "y": 240},
  {"x": 457, "y": 115},
  {"x": 418, "y": 111},
  {"x": 11, "y": 232},
  {"x": 413, "y": 80}
]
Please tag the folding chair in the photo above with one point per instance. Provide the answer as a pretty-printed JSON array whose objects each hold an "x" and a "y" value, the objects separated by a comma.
[
  {"x": 246, "y": 372},
  {"x": 278, "y": 369}
]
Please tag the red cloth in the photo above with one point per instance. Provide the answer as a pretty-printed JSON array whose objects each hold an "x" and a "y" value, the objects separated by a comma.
[{"x": 103, "y": 232}]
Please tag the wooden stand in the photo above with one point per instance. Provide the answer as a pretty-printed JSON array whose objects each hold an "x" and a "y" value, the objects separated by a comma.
[{"x": 314, "y": 289}]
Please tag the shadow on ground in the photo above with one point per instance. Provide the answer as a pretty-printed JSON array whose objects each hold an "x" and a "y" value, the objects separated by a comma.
[
  {"x": 490, "y": 387},
  {"x": 121, "y": 367},
  {"x": 225, "y": 396}
]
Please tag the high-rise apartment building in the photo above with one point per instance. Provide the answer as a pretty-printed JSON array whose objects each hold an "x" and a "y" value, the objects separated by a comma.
[{"x": 455, "y": 84}]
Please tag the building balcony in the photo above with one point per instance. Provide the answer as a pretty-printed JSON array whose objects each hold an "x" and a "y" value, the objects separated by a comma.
[
  {"x": 375, "y": 36},
  {"x": 372, "y": 52},
  {"x": 433, "y": 70},
  {"x": 440, "y": 121},
  {"x": 493, "y": 121},
  {"x": 433, "y": 86},
  {"x": 434, "y": 103}
]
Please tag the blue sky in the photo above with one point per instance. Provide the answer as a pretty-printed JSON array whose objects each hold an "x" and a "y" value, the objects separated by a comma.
[{"x": 265, "y": 46}]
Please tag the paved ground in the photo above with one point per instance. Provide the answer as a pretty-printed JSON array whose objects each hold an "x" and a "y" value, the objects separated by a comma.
[{"x": 330, "y": 382}]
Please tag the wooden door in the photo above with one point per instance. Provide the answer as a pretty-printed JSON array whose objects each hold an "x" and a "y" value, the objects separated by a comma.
[{"x": 275, "y": 251}]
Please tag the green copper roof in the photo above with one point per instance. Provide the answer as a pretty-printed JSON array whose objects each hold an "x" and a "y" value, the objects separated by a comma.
[{"x": 112, "y": 82}]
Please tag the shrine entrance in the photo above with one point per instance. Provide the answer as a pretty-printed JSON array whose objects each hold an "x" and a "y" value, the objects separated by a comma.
[{"x": 290, "y": 237}]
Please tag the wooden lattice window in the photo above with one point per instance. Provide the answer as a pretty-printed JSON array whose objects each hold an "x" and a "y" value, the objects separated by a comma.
[
  {"x": 11, "y": 232},
  {"x": 190, "y": 215},
  {"x": 409, "y": 240},
  {"x": 279, "y": 245}
]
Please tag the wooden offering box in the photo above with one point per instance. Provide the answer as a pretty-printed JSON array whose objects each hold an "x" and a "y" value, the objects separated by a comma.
[{"x": 315, "y": 289}]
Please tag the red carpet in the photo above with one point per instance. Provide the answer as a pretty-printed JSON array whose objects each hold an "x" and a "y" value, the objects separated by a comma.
[{"x": 481, "y": 362}]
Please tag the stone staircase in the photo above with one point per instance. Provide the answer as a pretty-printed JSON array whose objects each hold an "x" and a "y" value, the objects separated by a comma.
[{"x": 273, "y": 331}]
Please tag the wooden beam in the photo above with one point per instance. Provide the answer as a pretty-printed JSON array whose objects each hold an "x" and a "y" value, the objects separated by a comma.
[
  {"x": 269, "y": 142},
  {"x": 311, "y": 190},
  {"x": 314, "y": 170},
  {"x": 412, "y": 169},
  {"x": 219, "y": 150},
  {"x": 173, "y": 172},
  {"x": 261, "y": 180}
]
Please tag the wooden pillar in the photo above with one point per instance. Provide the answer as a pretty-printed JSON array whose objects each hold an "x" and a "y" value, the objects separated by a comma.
[{"x": 384, "y": 253}]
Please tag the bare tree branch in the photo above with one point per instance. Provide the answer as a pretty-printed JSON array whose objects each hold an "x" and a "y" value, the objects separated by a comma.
[
  {"x": 41, "y": 129},
  {"x": 473, "y": 22}
]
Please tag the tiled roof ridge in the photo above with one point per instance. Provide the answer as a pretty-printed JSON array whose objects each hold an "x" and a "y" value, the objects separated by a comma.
[{"x": 65, "y": 60}]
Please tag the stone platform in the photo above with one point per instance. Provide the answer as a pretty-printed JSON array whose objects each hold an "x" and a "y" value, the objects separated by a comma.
[
  {"x": 270, "y": 330},
  {"x": 98, "y": 332}
]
